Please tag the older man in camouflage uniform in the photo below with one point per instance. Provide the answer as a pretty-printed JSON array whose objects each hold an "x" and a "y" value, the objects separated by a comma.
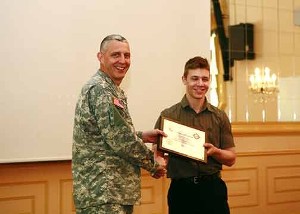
[{"x": 107, "y": 152}]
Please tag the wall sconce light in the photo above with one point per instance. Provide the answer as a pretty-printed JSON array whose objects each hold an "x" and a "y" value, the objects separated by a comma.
[{"x": 263, "y": 83}]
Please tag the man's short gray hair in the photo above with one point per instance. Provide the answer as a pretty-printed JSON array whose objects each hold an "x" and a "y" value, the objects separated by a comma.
[{"x": 109, "y": 38}]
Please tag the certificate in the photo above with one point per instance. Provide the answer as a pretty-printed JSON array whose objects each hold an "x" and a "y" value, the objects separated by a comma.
[{"x": 182, "y": 140}]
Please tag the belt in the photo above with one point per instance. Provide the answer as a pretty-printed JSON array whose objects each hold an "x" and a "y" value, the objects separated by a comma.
[{"x": 199, "y": 178}]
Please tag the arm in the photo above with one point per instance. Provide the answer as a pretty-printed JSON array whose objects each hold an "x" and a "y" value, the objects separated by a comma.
[
  {"x": 119, "y": 134},
  {"x": 225, "y": 153},
  {"x": 224, "y": 156}
]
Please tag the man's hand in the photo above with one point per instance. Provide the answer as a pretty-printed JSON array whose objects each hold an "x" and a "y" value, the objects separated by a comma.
[
  {"x": 224, "y": 156},
  {"x": 160, "y": 172},
  {"x": 152, "y": 135},
  {"x": 161, "y": 160},
  {"x": 211, "y": 149}
]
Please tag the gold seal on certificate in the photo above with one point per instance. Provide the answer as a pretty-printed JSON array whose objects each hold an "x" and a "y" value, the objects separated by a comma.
[{"x": 182, "y": 140}]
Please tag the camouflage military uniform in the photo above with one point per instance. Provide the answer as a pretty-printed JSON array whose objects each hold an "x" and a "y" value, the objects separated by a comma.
[{"x": 107, "y": 152}]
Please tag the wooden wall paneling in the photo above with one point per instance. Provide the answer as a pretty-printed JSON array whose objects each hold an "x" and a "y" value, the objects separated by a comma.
[
  {"x": 265, "y": 178},
  {"x": 66, "y": 197},
  {"x": 153, "y": 195},
  {"x": 23, "y": 197},
  {"x": 264, "y": 182},
  {"x": 35, "y": 187}
]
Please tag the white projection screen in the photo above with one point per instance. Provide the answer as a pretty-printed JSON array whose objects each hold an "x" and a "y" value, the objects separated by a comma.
[{"x": 48, "y": 51}]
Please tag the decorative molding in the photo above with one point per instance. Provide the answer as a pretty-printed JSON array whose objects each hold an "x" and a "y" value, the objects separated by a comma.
[
  {"x": 32, "y": 197},
  {"x": 283, "y": 183},
  {"x": 66, "y": 203},
  {"x": 148, "y": 196},
  {"x": 253, "y": 129},
  {"x": 243, "y": 186},
  {"x": 269, "y": 153}
]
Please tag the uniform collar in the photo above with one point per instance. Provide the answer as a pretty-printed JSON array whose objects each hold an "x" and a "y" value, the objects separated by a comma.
[
  {"x": 104, "y": 75},
  {"x": 109, "y": 81}
]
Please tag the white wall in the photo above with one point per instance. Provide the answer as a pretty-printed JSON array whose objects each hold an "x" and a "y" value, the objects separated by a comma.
[
  {"x": 277, "y": 46},
  {"x": 289, "y": 99},
  {"x": 48, "y": 51}
]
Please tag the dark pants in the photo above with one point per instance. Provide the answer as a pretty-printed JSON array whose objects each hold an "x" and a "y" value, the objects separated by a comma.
[{"x": 204, "y": 196}]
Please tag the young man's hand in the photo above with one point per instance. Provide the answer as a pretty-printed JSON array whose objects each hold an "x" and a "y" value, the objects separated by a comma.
[{"x": 152, "y": 135}]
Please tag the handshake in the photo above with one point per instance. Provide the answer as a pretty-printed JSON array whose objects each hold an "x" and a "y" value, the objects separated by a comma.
[
  {"x": 152, "y": 137},
  {"x": 161, "y": 169}
]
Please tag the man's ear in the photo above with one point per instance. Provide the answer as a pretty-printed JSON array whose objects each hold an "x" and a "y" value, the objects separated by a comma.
[
  {"x": 99, "y": 56},
  {"x": 183, "y": 78}
]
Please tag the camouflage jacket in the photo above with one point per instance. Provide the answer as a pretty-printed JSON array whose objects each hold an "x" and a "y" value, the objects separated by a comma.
[{"x": 107, "y": 153}]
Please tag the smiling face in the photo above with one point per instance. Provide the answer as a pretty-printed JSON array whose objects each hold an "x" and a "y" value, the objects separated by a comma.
[
  {"x": 115, "y": 60},
  {"x": 197, "y": 83}
]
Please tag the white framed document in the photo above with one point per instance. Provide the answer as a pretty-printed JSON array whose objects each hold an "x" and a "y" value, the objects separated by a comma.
[{"x": 182, "y": 140}]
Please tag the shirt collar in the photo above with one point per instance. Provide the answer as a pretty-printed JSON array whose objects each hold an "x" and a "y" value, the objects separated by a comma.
[{"x": 206, "y": 106}]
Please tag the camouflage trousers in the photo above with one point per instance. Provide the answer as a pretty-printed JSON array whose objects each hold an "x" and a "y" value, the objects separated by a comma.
[{"x": 107, "y": 209}]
